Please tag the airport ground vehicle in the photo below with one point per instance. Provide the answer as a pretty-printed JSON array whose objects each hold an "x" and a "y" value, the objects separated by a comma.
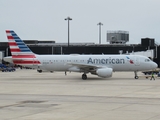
[
  {"x": 156, "y": 71},
  {"x": 5, "y": 68}
]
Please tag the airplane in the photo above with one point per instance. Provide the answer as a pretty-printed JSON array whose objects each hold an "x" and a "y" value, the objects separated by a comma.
[{"x": 100, "y": 65}]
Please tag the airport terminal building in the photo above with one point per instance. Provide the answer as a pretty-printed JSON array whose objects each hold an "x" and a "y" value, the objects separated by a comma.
[{"x": 117, "y": 45}]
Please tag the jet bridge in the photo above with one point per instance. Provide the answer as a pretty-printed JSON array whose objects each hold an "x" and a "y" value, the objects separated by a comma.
[{"x": 148, "y": 53}]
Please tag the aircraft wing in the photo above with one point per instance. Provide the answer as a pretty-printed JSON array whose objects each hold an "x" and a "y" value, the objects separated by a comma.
[
  {"x": 102, "y": 71},
  {"x": 84, "y": 67}
]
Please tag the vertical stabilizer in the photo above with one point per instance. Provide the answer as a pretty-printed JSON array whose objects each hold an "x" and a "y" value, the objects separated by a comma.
[{"x": 21, "y": 54}]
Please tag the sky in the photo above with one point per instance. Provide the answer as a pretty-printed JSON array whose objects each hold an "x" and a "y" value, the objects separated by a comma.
[{"x": 44, "y": 19}]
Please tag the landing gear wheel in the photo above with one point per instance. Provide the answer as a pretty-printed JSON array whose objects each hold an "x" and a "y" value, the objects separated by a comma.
[
  {"x": 84, "y": 76},
  {"x": 39, "y": 71},
  {"x": 136, "y": 77}
]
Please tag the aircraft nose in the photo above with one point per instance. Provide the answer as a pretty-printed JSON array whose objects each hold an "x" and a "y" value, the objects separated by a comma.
[{"x": 155, "y": 65}]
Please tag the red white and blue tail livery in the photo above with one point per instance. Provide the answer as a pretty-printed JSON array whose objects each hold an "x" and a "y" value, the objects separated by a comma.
[
  {"x": 101, "y": 65},
  {"x": 21, "y": 54}
]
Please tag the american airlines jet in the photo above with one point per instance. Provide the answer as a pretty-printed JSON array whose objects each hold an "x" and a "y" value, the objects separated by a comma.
[{"x": 101, "y": 65}]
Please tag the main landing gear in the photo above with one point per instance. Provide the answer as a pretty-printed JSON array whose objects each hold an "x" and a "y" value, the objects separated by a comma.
[
  {"x": 39, "y": 71},
  {"x": 136, "y": 76},
  {"x": 84, "y": 76}
]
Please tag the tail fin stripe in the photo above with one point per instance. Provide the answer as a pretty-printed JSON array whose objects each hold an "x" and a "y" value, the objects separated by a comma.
[
  {"x": 19, "y": 43},
  {"x": 15, "y": 44},
  {"x": 18, "y": 50},
  {"x": 13, "y": 34},
  {"x": 23, "y": 56},
  {"x": 18, "y": 40},
  {"x": 10, "y": 37},
  {"x": 26, "y": 62},
  {"x": 14, "y": 47},
  {"x": 15, "y": 50},
  {"x": 22, "y": 49},
  {"x": 8, "y": 31},
  {"x": 15, "y": 37},
  {"x": 12, "y": 44},
  {"x": 22, "y": 53}
]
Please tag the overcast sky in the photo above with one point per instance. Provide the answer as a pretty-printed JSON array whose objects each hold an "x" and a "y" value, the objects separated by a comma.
[{"x": 44, "y": 19}]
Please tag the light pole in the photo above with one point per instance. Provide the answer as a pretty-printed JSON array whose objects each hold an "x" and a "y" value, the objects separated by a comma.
[
  {"x": 99, "y": 31},
  {"x": 68, "y": 18}
]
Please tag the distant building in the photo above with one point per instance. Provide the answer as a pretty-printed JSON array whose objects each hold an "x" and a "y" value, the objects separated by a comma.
[{"x": 117, "y": 37}]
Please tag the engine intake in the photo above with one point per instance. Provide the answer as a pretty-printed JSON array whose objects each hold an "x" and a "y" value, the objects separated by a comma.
[{"x": 104, "y": 72}]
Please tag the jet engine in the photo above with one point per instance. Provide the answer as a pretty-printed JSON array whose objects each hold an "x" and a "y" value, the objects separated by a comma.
[{"x": 104, "y": 72}]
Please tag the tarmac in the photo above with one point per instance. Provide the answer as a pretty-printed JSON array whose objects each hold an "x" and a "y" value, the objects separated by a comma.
[{"x": 29, "y": 95}]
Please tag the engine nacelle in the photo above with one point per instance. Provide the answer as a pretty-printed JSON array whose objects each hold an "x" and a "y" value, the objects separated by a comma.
[{"x": 104, "y": 72}]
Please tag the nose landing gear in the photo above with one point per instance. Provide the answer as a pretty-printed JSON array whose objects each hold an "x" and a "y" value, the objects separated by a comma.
[{"x": 136, "y": 76}]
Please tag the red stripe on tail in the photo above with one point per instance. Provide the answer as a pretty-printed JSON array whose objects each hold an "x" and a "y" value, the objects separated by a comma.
[
  {"x": 12, "y": 44},
  {"x": 15, "y": 50},
  {"x": 23, "y": 56},
  {"x": 26, "y": 62},
  {"x": 8, "y": 31},
  {"x": 10, "y": 37}
]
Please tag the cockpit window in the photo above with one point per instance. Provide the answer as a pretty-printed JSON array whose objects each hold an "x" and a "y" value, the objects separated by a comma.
[{"x": 147, "y": 60}]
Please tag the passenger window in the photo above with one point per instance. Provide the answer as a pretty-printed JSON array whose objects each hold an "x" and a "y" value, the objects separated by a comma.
[{"x": 147, "y": 60}]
